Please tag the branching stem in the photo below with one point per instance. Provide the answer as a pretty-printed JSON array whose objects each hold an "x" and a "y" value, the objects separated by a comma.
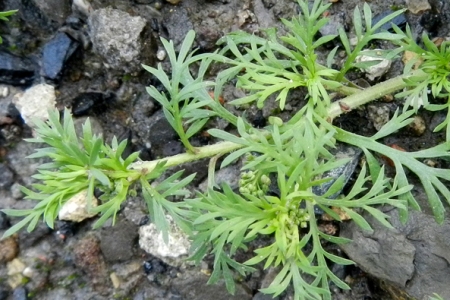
[{"x": 337, "y": 108}]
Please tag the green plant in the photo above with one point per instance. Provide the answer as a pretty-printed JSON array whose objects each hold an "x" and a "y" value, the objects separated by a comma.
[
  {"x": 4, "y": 17},
  {"x": 295, "y": 153}
]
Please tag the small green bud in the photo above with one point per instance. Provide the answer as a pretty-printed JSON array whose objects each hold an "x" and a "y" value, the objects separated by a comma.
[
  {"x": 251, "y": 187},
  {"x": 275, "y": 121},
  {"x": 244, "y": 190},
  {"x": 265, "y": 180},
  {"x": 132, "y": 192}
]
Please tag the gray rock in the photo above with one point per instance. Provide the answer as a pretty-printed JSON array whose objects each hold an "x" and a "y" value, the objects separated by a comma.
[
  {"x": 335, "y": 22},
  {"x": 123, "y": 41},
  {"x": 55, "y": 10},
  {"x": 7, "y": 176},
  {"x": 117, "y": 242},
  {"x": 385, "y": 254},
  {"x": 178, "y": 24},
  {"x": 23, "y": 167},
  {"x": 414, "y": 257}
]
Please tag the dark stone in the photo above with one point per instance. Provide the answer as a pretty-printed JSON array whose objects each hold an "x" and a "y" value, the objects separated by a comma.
[
  {"x": 4, "y": 292},
  {"x": 431, "y": 22},
  {"x": 172, "y": 148},
  {"x": 7, "y": 176},
  {"x": 4, "y": 221},
  {"x": 117, "y": 243},
  {"x": 160, "y": 134},
  {"x": 400, "y": 21},
  {"x": 55, "y": 53},
  {"x": 65, "y": 229},
  {"x": 20, "y": 293},
  {"x": 88, "y": 103},
  {"x": 154, "y": 266},
  {"x": 16, "y": 70}
]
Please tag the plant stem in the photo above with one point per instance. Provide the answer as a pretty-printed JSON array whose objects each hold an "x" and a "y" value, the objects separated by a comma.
[
  {"x": 201, "y": 152},
  {"x": 336, "y": 108},
  {"x": 367, "y": 95}
]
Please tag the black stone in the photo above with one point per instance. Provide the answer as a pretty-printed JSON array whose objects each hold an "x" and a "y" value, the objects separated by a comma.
[
  {"x": 55, "y": 53},
  {"x": 154, "y": 266},
  {"x": 431, "y": 22},
  {"x": 399, "y": 21},
  {"x": 4, "y": 223},
  {"x": 16, "y": 70},
  {"x": 88, "y": 103}
]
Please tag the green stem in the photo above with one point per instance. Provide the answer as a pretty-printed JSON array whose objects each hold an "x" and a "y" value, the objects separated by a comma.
[
  {"x": 201, "y": 152},
  {"x": 337, "y": 108},
  {"x": 367, "y": 95}
]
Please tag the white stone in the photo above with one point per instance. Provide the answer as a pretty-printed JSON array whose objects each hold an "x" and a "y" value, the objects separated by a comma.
[
  {"x": 35, "y": 102},
  {"x": 161, "y": 54},
  {"x": 82, "y": 6},
  {"x": 75, "y": 209},
  {"x": 377, "y": 70},
  {"x": 14, "y": 272},
  {"x": 4, "y": 91},
  {"x": 151, "y": 241}
]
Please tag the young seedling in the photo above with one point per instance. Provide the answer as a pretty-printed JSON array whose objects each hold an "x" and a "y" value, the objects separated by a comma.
[{"x": 295, "y": 154}]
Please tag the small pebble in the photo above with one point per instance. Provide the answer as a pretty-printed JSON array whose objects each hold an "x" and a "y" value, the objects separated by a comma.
[
  {"x": 4, "y": 91},
  {"x": 158, "y": 5},
  {"x": 115, "y": 280},
  {"x": 418, "y": 126},
  {"x": 379, "y": 115},
  {"x": 15, "y": 269},
  {"x": 418, "y": 6},
  {"x": 16, "y": 192},
  {"x": 161, "y": 54},
  {"x": 75, "y": 209},
  {"x": 9, "y": 248}
]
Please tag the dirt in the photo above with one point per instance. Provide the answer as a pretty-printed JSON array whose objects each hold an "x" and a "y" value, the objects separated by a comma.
[{"x": 75, "y": 262}]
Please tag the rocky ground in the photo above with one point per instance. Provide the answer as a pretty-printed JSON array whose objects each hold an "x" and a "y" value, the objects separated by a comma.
[{"x": 88, "y": 56}]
